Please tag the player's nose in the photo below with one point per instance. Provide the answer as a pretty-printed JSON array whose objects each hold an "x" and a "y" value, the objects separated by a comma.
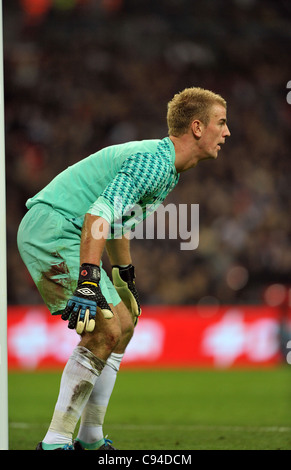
[{"x": 226, "y": 132}]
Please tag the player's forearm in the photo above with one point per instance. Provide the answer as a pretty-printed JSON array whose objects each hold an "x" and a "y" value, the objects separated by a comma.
[
  {"x": 93, "y": 239},
  {"x": 118, "y": 251}
]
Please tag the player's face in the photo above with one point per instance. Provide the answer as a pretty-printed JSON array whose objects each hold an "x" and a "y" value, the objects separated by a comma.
[{"x": 214, "y": 134}]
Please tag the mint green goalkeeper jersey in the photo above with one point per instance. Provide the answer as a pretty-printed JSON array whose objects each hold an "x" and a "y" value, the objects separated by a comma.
[{"x": 116, "y": 183}]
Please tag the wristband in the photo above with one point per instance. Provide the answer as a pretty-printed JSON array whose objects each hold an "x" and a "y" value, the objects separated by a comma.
[{"x": 89, "y": 273}]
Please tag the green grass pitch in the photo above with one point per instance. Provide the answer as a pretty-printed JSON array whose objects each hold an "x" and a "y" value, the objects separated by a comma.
[{"x": 195, "y": 409}]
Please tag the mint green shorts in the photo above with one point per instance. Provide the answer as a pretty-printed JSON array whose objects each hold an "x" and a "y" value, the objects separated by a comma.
[{"x": 49, "y": 245}]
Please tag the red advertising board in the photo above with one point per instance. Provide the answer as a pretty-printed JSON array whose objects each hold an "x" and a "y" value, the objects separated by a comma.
[{"x": 166, "y": 336}]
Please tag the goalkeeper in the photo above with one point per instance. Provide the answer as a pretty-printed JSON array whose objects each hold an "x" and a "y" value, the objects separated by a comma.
[{"x": 82, "y": 213}]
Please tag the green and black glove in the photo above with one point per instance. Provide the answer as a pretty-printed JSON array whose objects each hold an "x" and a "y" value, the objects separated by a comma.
[
  {"x": 124, "y": 283},
  {"x": 81, "y": 308}
]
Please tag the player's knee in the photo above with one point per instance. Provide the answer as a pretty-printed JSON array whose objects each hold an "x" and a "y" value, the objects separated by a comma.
[
  {"x": 104, "y": 338},
  {"x": 112, "y": 337},
  {"x": 126, "y": 325},
  {"x": 127, "y": 329}
]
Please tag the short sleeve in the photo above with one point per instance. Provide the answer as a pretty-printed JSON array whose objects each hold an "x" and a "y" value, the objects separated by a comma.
[{"x": 140, "y": 176}]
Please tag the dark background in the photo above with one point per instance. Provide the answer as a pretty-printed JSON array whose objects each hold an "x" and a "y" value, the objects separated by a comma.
[{"x": 80, "y": 75}]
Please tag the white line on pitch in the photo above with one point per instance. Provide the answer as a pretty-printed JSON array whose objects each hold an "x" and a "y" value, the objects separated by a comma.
[{"x": 181, "y": 427}]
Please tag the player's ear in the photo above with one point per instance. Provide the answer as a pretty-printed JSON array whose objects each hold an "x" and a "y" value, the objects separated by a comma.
[{"x": 196, "y": 127}]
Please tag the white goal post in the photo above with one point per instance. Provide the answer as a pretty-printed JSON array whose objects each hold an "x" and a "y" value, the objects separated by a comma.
[{"x": 3, "y": 258}]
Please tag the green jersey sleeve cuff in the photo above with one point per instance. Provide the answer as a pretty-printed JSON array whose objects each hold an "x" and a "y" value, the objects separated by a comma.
[{"x": 102, "y": 208}]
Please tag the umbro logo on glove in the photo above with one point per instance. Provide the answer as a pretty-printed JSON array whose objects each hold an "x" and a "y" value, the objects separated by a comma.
[
  {"x": 81, "y": 308},
  {"x": 85, "y": 291}
]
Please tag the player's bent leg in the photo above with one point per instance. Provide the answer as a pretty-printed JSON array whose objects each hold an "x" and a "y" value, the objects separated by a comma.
[
  {"x": 106, "y": 335},
  {"x": 90, "y": 435},
  {"x": 127, "y": 327},
  {"x": 79, "y": 376}
]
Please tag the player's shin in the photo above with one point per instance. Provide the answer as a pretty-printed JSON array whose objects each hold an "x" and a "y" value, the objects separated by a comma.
[
  {"x": 78, "y": 379},
  {"x": 91, "y": 428}
]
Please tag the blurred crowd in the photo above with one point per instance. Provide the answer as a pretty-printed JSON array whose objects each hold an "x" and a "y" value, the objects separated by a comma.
[{"x": 83, "y": 75}]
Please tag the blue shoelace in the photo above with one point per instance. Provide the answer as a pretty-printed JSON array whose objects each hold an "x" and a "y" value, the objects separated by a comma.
[
  {"x": 68, "y": 447},
  {"x": 107, "y": 441}
]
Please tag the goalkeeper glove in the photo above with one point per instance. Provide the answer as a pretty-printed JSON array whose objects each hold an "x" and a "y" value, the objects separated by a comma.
[
  {"x": 124, "y": 283},
  {"x": 81, "y": 308}
]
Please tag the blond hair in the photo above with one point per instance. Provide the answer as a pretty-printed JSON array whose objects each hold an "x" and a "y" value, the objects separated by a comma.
[{"x": 189, "y": 104}]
